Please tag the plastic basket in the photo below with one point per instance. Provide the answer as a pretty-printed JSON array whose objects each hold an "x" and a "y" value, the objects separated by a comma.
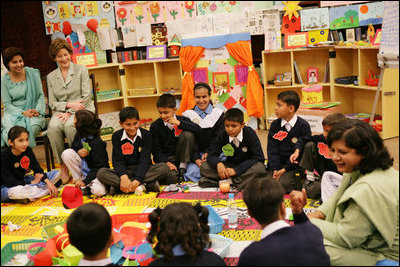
[
  {"x": 108, "y": 94},
  {"x": 220, "y": 245},
  {"x": 214, "y": 220},
  {"x": 11, "y": 249},
  {"x": 118, "y": 220},
  {"x": 142, "y": 91},
  {"x": 49, "y": 230}
]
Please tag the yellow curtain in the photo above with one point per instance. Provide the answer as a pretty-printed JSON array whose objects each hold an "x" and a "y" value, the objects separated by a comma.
[
  {"x": 189, "y": 56},
  {"x": 241, "y": 51}
]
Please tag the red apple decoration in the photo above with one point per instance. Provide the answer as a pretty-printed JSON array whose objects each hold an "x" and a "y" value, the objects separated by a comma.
[{"x": 224, "y": 187}]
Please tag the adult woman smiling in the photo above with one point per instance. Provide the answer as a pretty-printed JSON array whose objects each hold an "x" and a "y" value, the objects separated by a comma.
[
  {"x": 360, "y": 222},
  {"x": 211, "y": 121},
  {"x": 69, "y": 91},
  {"x": 22, "y": 95}
]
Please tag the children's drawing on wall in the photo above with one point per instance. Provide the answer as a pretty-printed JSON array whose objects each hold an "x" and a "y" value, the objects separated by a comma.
[
  {"x": 314, "y": 19},
  {"x": 312, "y": 74},
  {"x": 343, "y": 17}
]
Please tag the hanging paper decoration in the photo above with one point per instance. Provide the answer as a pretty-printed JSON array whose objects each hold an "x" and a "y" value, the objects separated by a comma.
[
  {"x": 106, "y": 6},
  {"x": 291, "y": 8},
  {"x": 67, "y": 29},
  {"x": 189, "y": 5},
  {"x": 63, "y": 11},
  {"x": 91, "y": 8},
  {"x": 318, "y": 36},
  {"x": 49, "y": 27},
  {"x": 155, "y": 10},
  {"x": 121, "y": 14},
  {"x": 51, "y": 12},
  {"x": 57, "y": 27},
  {"x": 290, "y": 25},
  {"x": 77, "y": 9},
  {"x": 139, "y": 13},
  {"x": 215, "y": 7},
  {"x": 92, "y": 24}
]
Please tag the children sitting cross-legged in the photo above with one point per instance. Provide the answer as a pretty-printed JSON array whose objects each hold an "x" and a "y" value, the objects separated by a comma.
[
  {"x": 88, "y": 153},
  {"x": 90, "y": 231},
  {"x": 285, "y": 135},
  {"x": 173, "y": 137},
  {"x": 280, "y": 244},
  {"x": 235, "y": 154},
  {"x": 181, "y": 231},
  {"x": 17, "y": 160},
  {"x": 131, "y": 158},
  {"x": 316, "y": 156}
]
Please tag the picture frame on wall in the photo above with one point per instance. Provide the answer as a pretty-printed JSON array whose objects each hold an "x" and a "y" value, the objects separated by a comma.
[
  {"x": 312, "y": 75},
  {"x": 294, "y": 40},
  {"x": 156, "y": 52}
]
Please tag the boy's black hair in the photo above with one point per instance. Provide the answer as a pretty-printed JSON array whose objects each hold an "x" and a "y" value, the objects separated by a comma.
[
  {"x": 166, "y": 101},
  {"x": 87, "y": 123},
  {"x": 234, "y": 114},
  {"x": 333, "y": 118},
  {"x": 263, "y": 197},
  {"x": 290, "y": 98},
  {"x": 128, "y": 113},
  {"x": 89, "y": 228},
  {"x": 180, "y": 224},
  {"x": 15, "y": 132},
  {"x": 362, "y": 137},
  {"x": 202, "y": 85}
]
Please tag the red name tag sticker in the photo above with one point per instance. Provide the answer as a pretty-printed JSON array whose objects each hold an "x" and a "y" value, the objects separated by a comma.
[
  {"x": 24, "y": 162},
  {"x": 127, "y": 148},
  {"x": 177, "y": 131},
  {"x": 280, "y": 135},
  {"x": 323, "y": 150}
]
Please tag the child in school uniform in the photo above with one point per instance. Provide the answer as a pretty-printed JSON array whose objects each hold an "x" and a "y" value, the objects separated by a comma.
[
  {"x": 88, "y": 153},
  {"x": 285, "y": 135},
  {"x": 17, "y": 161},
  {"x": 281, "y": 244},
  {"x": 131, "y": 158},
  {"x": 89, "y": 229},
  {"x": 173, "y": 137},
  {"x": 316, "y": 156},
  {"x": 182, "y": 236},
  {"x": 211, "y": 121},
  {"x": 235, "y": 154}
]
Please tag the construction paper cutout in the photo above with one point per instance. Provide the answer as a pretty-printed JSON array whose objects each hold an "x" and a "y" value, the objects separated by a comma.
[
  {"x": 230, "y": 102},
  {"x": 91, "y": 8},
  {"x": 86, "y": 146},
  {"x": 106, "y": 6},
  {"x": 63, "y": 11},
  {"x": 291, "y": 8},
  {"x": 49, "y": 27},
  {"x": 57, "y": 27},
  {"x": 290, "y": 25},
  {"x": 155, "y": 12},
  {"x": 77, "y": 9},
  {"x": 228, "y": 150},
  {"x": 280, "y": 135},
  {"x": 92, "y": 24},
  {"x": 323, "y": 150},
  {"x": 127, "y": 148},
  {"x": 177, "y": 131},
  {"x": 50, "y": 12},
  {"x": 67, "y": 29},
  {"x": 318, "y": 36},
  {"x": 24, "y": 162}
]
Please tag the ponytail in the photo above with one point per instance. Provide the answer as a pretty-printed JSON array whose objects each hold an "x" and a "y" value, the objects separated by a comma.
[{"x": 154, "y": 219}]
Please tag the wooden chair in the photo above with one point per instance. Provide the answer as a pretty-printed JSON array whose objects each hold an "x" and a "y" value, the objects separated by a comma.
[{"x": 42, "y": 137}]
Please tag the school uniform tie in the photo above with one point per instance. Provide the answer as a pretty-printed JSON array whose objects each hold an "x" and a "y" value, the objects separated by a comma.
[
  {"x": 288, "y": 126},
  {"x": 236, "y": 142}
]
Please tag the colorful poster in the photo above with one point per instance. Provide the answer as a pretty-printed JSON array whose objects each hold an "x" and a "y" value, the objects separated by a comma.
[
  {"x": 159, "y": 34},
  {"x": 63, "y": 11},
  {"x": 343, "y": 17},
  {"x": 290, "y": 25},
  {"x": 339, "y": 3},
  {"x": 91, "y": 8},
  {"x": 317, "y": 36},
  {"x": 215, "y": 7},
  {"x": 314, "y": 19},
  {"x": 370, "y": 13},
  {"x": 258, "y": 21}
]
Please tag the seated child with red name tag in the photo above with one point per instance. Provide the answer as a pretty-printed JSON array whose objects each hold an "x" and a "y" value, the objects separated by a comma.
[
  {"x": 17, "y": 161},
  {"x": 131, "y": 158},
  {"x": 285, "y": 135},
  {"x": 316, "y": 156},
  {"x": 173, "y": 137},
  {"x": 235, "y": 154}
]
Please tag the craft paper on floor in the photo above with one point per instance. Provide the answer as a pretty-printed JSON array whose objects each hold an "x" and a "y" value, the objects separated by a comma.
[
  {"x": 314, "y": 19},
  {"x": 370, "y": 13},
  {"x": 204, "y": 25},
  {"x": 143, "y": 34},
  {"x": 343, "y": 17},
  {"x": 129, "y": 35},
  {"x": 215, "y": 7},
  {"x": 315, "y": 37},
  {"x": 75, "y": 12}
]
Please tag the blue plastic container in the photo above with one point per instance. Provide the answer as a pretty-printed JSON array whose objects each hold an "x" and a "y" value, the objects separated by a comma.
[{"x": 215, "y": 222}]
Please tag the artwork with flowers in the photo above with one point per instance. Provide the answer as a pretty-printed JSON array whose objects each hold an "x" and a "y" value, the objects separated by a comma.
[{"x": 215, "y": 7}]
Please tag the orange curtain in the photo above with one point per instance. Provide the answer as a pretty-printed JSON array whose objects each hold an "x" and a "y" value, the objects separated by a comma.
[
  {"x": 189, "y": 56},
  {"x": 241, "y": 51}
]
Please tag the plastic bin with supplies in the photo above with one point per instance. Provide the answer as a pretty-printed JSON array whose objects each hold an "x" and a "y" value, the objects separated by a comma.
[
  {"x": 108, "y": 94},
  {"x": 117, "y": 220},
  {"x": 220, "y": 245},
  {"x": 215, "y": 222},
  {"x": 49, "y": 231},
  {"x": 11, "y": 249}
]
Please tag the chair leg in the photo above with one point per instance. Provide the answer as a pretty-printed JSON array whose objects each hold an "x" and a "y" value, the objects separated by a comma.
[{"x": 46, "y": 152}]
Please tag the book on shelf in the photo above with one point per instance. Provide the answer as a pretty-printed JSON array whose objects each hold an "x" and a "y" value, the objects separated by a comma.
[
  {"x": 298, "y": 72},
  {"x": 335, "y": 36},
  {"x": 358, "y": 34},
  {"x": 341, "y": 36},
  {"x": 326, "y": 76}
]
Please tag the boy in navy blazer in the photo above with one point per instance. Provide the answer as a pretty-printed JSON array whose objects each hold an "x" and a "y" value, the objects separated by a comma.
[
  {"x": 173, "y": 137},
  {"x": 285, "y": 135},
  {"x": 281, "y": 244},
  {"x": 131, "y": 158},
  {"x": 235, "y": 154}
]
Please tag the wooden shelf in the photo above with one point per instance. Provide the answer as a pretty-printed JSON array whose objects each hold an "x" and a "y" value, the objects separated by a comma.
[
  {"x": 111, "y": 99},
  {"x": 364, "y": 87},
  {"x": 106, "y": 137}
]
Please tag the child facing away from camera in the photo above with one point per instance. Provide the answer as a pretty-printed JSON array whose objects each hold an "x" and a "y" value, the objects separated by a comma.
[
  {"x": 173, "y": 137},
  {"x": 285, "y": 135},
  {"x": 280, "y": 243},
  {"x": 131, "y": 158},
  {"x": 316, "y": 156},
  {"x": 88, "y": 153},
  {"x": 235, "y": 154},
  {"x": 17, "y": 161},
  {"x": 90, "y": 231},
  {"x": 182, "y": 236}
]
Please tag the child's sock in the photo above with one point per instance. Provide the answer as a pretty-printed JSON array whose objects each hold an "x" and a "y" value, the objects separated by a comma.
[{"x": 310, "y": 176}]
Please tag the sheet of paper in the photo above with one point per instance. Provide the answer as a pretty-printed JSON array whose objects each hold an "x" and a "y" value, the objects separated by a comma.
[
  {"x": 143, "y": 34},
  {"x": 129, "y": 36},
  {"x": 314, "y": 19}
]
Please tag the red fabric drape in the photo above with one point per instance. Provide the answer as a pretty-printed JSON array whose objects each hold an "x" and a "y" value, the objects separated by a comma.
[
  {"x": 241, "y": 51},
  {"x": 189, "y": 56}
]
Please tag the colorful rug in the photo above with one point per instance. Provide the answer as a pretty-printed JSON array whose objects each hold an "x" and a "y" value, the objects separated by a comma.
[{"x": 34, "y": 216}]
